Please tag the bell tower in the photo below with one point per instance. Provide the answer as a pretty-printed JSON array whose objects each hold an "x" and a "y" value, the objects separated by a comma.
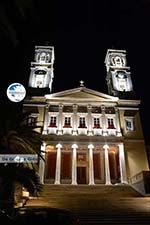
[
  {"x": 41, "y": 71},
  {"x": 118, "y": 74}
]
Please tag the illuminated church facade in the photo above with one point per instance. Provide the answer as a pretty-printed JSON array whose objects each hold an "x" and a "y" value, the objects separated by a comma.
[{"x": 90, "y": 138}]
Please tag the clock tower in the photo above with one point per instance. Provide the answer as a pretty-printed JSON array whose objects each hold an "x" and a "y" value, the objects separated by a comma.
[
  {"x": 41, "y": 74},
  {"x": 118, "y": 74}
]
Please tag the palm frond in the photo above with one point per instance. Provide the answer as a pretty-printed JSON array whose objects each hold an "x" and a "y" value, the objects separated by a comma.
[{"x": 27, "y": 177}]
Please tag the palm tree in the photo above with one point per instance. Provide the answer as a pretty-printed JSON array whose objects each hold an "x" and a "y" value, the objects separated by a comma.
[
  {"x": 16, "y": 137},
  {"x": 12, "y": 173}
]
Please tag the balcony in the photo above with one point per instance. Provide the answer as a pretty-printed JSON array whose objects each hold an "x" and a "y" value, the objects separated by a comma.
[
  {"x": 97, "y": 130},
  {"x": 52, "y": 128},
  {"x": 67, "y": 129}
]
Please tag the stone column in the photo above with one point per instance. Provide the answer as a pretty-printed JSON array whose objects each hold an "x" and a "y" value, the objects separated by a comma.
[
  {"x": 123, "y": 176},
  {"x": 42, "y": 164},
  {"x": 75, "y": 120},
  {"x": 58, "y": 164},
  {"x": 89, "y": 132},
  {"x": 60, "y": 120},
  {"x": 45, "y": 126},
  {"x": 91, "y": 166},
  {"x": 118, "y": 131},
  {"x": 104, "y": 125},
  {"x": 107, "y": 168},
  {"x": 74, "y": 164}
]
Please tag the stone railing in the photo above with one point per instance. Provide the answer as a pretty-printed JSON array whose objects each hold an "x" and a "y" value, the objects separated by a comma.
[{"x": 141, "y": 182}]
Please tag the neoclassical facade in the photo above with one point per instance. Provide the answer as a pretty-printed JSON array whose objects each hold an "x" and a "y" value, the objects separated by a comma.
[{"x": 90, "y": 138}]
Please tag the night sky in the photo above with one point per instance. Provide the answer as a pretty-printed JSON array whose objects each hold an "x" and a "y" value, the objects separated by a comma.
[{"x": 81, "y": 32}]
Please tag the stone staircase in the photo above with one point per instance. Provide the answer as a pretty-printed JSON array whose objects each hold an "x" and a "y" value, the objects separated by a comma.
[{"x": 111, "y": 204}]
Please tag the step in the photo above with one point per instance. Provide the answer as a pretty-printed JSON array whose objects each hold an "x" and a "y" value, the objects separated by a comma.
[{"x": 102, "y": 190}]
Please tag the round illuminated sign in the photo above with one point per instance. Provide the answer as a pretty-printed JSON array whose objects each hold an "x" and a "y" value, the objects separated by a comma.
[{"x": 16, "y": 92}]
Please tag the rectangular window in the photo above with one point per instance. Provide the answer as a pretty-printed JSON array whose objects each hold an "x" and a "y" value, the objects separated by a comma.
[
  {"x": 110, "y": 123},
  {"x": 82, "y": 122},
  {"x": 129, "y": 124},
  {"x": 96, "y": 123},
  {"x": 52, "y": 121},
  {"x": 67, "y": 122}
]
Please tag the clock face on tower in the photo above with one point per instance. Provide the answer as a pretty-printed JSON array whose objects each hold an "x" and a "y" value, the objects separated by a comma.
[{"x": 121, "y": 75}]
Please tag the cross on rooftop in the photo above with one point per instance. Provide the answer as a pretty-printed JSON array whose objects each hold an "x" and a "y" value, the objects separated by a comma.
[{"x": 81, "y": 83}]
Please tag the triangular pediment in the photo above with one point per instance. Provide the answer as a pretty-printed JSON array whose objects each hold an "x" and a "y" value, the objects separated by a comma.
[{"x": 81, "y": 94}]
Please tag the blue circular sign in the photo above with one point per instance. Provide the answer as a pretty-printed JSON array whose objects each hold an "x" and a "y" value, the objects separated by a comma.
[{"x": 16, "y": 92}]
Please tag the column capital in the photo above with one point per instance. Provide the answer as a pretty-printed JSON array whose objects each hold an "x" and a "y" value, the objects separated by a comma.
[
  {"x": 74, "y": 146},
  {"x": 59, "y": 146},
  {"x": 106, "y": 146},
  {"x": 90, "y": 146},
  {"x": 120, "y": 144}
]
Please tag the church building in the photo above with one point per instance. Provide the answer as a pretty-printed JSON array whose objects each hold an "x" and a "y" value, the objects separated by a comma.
[{"x": 90, "y": 138}]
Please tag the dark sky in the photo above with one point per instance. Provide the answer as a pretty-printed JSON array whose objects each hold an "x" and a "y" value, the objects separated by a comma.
[{"x": 81, "y": 32}]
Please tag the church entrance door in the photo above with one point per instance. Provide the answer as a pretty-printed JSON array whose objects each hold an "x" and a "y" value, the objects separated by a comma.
[{"x": 81, "y": 175}]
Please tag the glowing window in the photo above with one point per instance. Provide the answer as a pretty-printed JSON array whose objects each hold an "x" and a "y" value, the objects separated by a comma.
[
  {"x": 96, "y": 122},
  {"x": 67, "y": 122},
  {"x": 129, "y": 124},
  {"x": 53, "y": 120},
  {"x": 82, "y": 122},
  {"x": 110, "y": 123}
]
